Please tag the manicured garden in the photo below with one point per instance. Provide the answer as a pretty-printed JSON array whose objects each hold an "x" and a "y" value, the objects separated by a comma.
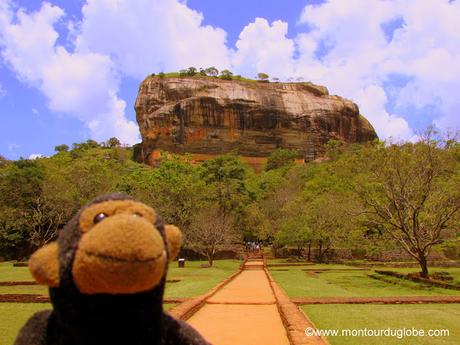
[
  {"x": 351, "y": 316},
  {"x": 182, "y": 283},
  {"x": 323, "y": 280},
  {"x": 13, "y": 316},
  {"x": 347, "y": 281},
  {"x": 10, "y": 273},
  {"x": 195, "y": 280}
]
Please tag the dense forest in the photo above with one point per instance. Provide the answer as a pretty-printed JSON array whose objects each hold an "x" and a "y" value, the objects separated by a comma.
[{"x": 364, "y": 199}]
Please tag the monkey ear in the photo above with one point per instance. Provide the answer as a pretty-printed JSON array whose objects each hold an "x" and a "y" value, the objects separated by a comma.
[
  {"x": 173, "y": 239},
  {"x": 44, "y": 265}
]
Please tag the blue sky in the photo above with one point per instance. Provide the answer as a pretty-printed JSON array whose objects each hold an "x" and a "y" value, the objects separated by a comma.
[{"x": 70, "y": 70}]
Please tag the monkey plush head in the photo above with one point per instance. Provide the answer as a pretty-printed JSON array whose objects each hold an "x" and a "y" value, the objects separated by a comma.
[
  {"x": 106, "y": 275},
  {"x": 115, "y": 245}
]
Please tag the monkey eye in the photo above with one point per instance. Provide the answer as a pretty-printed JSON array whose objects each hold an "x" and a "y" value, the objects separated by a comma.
[
  {"x": 137, "y": 214},
  {"x": 99, "y": 217}
]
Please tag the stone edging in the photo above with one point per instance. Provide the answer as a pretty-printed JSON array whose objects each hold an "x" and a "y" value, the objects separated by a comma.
[
  {"x": 23, "y": 298},
  {"x": 35, "y": 298},
  {"x": 376, "y": 300},
  {"x": 290, "y": 264},
  {"x": 295, "y": 321},
  {"x": 18, "y": 282},
  {"x": 186, "y": 309}
]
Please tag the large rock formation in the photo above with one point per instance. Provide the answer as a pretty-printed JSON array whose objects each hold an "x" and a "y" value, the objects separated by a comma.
[{"x": 208, "y": 116}]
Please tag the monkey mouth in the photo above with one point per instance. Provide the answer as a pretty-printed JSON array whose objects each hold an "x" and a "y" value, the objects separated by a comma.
[
  {"x": 96, "y": 273},
  {"x": 116, "y": 259}
]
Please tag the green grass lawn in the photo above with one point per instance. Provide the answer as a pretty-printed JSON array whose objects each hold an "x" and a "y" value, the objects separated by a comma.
[
  {"x": 10, "y": 273},
  {"x": 427, "y": 316},
  {"x": 298, "y": 283},
  {"x": 194, "y": 280},
  {"x": 14, "y": 315},
  {"x": 24, "y": 289},
  {"x": 453, "y": 271}
]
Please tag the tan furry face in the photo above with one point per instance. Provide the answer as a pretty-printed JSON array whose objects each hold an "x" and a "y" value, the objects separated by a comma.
[{"x": 120, "y": 250}]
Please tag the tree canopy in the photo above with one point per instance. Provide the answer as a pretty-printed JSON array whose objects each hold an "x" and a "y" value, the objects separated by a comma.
[{"x": 360, "y": 197}]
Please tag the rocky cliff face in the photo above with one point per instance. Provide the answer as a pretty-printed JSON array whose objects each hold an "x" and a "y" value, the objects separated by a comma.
[{"x": 209, "y": 116}]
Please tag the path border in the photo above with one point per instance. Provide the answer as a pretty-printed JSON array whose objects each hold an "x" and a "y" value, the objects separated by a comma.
[
  {"x": 294, "y": 320},
  {"x": 377, "y": 300},
  {"x": 185, "y": 310},
  {"x": 35, "y": 298}
]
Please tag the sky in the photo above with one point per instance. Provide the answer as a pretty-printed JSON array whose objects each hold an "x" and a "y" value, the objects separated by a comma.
[{"x": 70, "y": 70}]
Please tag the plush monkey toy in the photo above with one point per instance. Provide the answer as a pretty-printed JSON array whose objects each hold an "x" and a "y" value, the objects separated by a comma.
[{"x": 106, "y": 275}]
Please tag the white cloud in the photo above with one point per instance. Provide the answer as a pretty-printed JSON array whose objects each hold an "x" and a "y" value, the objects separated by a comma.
[
  {"x": 146, "y": 36},
  {"x": 372, "y": 100},
  {"x": 35, "y": 156},
  {"x": 348, "y": 50},
  {"x": 84, "y": 85},
  {"x": 262, "y": 47},
  {"x": 428, "y": 49},
  {"x": 114, "y": 38},
  {"x": 345, "y": 49},
  {"x": 12, "y": 147}
]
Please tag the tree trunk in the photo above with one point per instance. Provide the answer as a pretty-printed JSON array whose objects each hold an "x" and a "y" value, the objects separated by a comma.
[
  {"x": 320, "y": 252},
  {"x": 210, "y": 256},
  {"x": 423, "y": 265},
  {"x": 309, "y": 251},
  {"x": 299, "y": 252}
]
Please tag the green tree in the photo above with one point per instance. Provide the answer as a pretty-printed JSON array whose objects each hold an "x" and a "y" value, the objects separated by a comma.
[
  {"x": 175, "y": 189},
  {"x": 226, "y": 175},
  {"x": 226, "y": 74},
  {"x": 255, "y": 225},
  {"x": 281, "y": 158},
  {"x": 21, "y": 183},
  {"x": 410, "y": 191},
  {"x": 20, "y": 193},
  {"x": 210, "y": 230},
  {"x": 191, "y": 71},
  {"x": 263, "y": 76},
  {"x": 61, "y": 148},
  {"x": 113, "y": 142},
  {"x": 88, "y": 144},
  {"x": 331, "y": 225},
  {"x": 212, "y": 71},
  {"x": 295, "y": 231}
]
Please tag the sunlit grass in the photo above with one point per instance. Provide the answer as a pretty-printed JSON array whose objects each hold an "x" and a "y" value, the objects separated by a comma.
[
  {"x": 24, "y": 289},
  {"x": 13, "y": 316},
  {"x": 426, "y": 316},
  {"x": 10, "y": 273},
  {"x": 195, "y": 280},
  {"x": 298, "y": 283}
]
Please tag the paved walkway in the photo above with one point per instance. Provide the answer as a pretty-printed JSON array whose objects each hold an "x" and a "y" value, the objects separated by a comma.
[{"x": 242, "y": 312}]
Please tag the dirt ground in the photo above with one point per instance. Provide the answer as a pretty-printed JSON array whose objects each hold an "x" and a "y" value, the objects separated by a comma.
[
  {"x": 242, "y": 312},
  {"x": 251, "y": 286}
]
